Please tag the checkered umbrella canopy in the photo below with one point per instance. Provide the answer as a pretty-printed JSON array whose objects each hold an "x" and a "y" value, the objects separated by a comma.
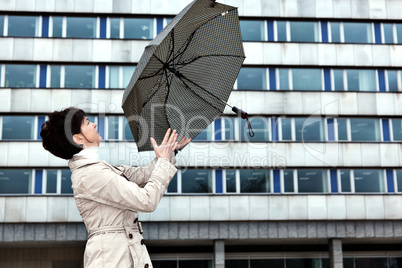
[{"x": 186, "y": 74}]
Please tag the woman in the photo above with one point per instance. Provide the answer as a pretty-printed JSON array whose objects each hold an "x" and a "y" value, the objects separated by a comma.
[{"x": 109, "y": 197}]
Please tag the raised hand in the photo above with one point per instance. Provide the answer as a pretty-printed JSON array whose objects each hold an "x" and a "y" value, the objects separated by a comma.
[{"x": 168, "y": 145}]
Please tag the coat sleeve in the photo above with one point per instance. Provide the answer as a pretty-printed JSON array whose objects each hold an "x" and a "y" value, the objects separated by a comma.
[
  {"x": 141, "y": 175},
  {"x": 109, "y": 188}
]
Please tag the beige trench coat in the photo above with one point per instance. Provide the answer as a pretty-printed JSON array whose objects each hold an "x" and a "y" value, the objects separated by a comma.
[{"x": 108, "y": 199}]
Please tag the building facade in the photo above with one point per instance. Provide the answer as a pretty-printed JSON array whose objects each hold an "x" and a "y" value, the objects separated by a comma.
[{"x": 319, "y": 185}]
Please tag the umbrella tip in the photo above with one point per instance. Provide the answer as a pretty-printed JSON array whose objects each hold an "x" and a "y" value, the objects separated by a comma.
[{"x": 213, "y": 3}]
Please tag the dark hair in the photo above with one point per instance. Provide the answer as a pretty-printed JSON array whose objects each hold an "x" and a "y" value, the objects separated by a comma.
[{"x": 57, "y": 133}]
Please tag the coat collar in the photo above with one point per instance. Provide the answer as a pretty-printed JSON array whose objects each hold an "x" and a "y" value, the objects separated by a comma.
[{"x": 78, "y": 161}]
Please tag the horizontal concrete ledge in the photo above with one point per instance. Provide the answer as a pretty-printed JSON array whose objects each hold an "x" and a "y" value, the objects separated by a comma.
[
  {"x": 103, "y": 102},
  {"x": 232, "y": 232},
  {"x": 220, "y": 155},
  {"x": 219, "y": 208}
]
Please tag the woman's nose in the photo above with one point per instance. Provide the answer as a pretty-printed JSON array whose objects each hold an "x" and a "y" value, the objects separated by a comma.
[{"x": 94, "y": 125}]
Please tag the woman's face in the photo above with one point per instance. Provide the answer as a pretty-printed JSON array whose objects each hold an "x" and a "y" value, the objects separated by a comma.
[{"x": 91, "y": 137}]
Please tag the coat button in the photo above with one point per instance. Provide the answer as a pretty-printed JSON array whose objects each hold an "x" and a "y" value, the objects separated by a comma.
[
  {"x": 142, "y": 242},
  {"x": 130, "y": 235},
  {"x": 146, "y": 265}
]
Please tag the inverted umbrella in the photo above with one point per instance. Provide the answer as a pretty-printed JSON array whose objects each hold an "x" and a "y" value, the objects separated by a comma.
[{"x": 185, "y": 75}]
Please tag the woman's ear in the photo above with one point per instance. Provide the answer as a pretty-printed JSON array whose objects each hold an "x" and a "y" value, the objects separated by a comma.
[{"x": 78, "y": 139}]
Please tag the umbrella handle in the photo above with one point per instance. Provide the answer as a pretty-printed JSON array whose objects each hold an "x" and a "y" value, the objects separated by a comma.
[{"x": 244, "y": 115}]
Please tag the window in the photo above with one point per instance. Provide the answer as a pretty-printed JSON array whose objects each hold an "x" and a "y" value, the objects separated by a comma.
[
  {"x": 119, "y": 76},
  {"x": 361, "y": 80},
  {"x": 18, "y": 128},
  {"x": 312, "y": 181},
  {"x": 399, "y": 33},
  {"x": 112, "y": 128},
  {"x": 335, "y": 32},
  {"x": 281, "y": 35},
  {"x": 15, "y": 181},
  {"x": 307, "y": 79},
  {"x": 342, "y": 127},
  {"x": 398, "y": 176},
  {"x": 344, "y": 175},
  {"x": 18, "y": 75},
  {"x": 252, "y": 30},
  {"x": 392, "y": 81},
  {"x": 196, "y": 181},
  {"x": 358, "y": 32},
  {"x": 1, "y": 25},
  {"x": 283, "y": 79},
  {"x": 81, "y": 27},
  {"x": 51, "y": 181},
  {"x": 229, "y": 128},
  {"x": 364, "y": 129},
  {"x": 286, "y": 129},
  {"x": 127, "y": 134},
  {"x": 369, "y": 181},
  {"x": 230, "y": 176},
  {"x": 55, "y": 76},
  {"x": 309, "y": 129},
  {"x": 288, "y": 181},
  {"x": 57, "y": 26},
  {"x": 255, "y": 181},
  {"x": 388, "y": 33},
  {"x": 260, "y": 127},
  {"x": 397, "y": 129},
  {"x": 66, "y": 182},
  {"x": 338, "y": 81},
  {"x": 23, "y": 26},
  {"x": 77, "y": 76},
  {"x": 114, "y": 28},
  {"x": 138, "y": 28},
  {"x": 252, "y": 79},
  {"x": 303, "y": 31},
  {"x": 172, "y": 188}
]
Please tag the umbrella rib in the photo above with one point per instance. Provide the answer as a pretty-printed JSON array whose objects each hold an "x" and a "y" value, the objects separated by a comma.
[
  {"x": 214, "y": 55},
  {"x": 188, "y": 87}
]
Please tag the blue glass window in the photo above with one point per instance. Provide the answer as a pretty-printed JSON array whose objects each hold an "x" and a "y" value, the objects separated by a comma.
[
  {"x": 335, "y": 32},
  {"x": 365, "y": 129},
  {"x": 79, "y": 76},
  {"x": 345, "y": 180},
  {"x": 338, "y": 80},
  {"x": 196, "y": 181},
  {"x": 255, "y": 181},
  {"x": 127, "y": 135},
  {"x": 252, "y": 30},
  {"x": 283, "y": 79},
  {"x": 342, "y": 129},
  {"x": 81, "y": 27},
  {"x": 252, "y": 78},
  {"x": 303, "y": 31},
  {"x": 113, "y": 128},
  {"x": 57, "y": 26},
  {"x": 399, "y": 32},
  {"x": 288, "y": 181},
  {"x": 388, "y": 33},
  {"x": 114, "y": 28},
  {"x": 286, "y": 129},
  {"x": 1, "y": 25},
  {"x": 51, "y": 181},
  {"x": 361, "y": 80},
  {"x": 312, "y": 181},
  {"x": 172, "y": 188},
  {"x": 23, "y": 26},
  {"x": 281, "y": 35},
  {"x": 18, "y": 128},
  {"x": 55, "y": 76},
  {"x": 229, "y": 128},
  {"x": 307, "y": 79},
  {"x": 398, "y": 174},
  {"x": 397, "y": 129},
  {"x": 392, "y": 80},
  {"x": 18, "y": 75},
  {"x": 358, "y": 32},
  {"x": 15, "y": 181},
  {"x": 260, "y": 128},
  {"x": 66, "y": 182},
  {"x": 230, "y": 181},
  {"x": 138, "y": 28},
  {"x": 204, "y": 135},
  {"x": 369, "y": 181},
  {"x": 309, "y": 129}
]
